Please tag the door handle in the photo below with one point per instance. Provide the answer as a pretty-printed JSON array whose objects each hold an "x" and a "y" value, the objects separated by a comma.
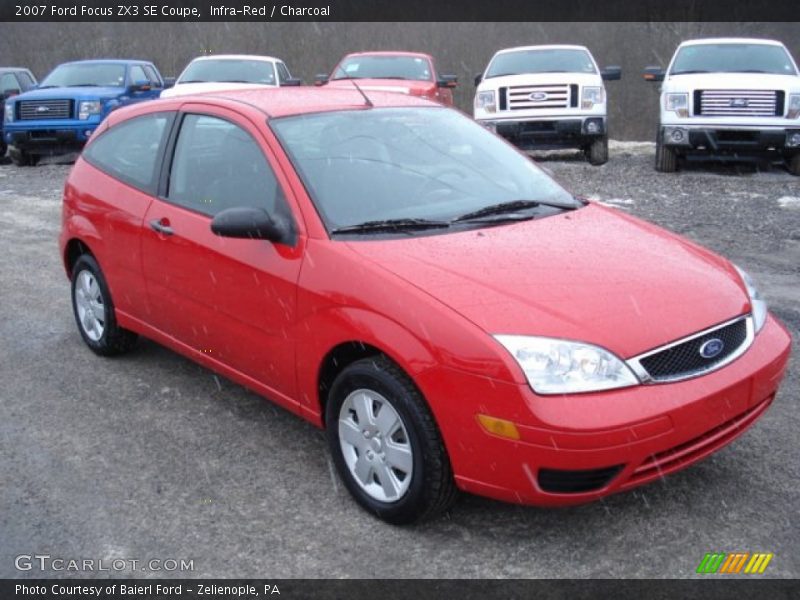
[{"x": 161, "y": 226}]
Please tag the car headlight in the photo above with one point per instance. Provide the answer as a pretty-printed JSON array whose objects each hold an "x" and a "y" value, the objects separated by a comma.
[
  {"x": 678, "y": 103},
  {"x": 486, "y": 101},
  {"x": 555, "y": 366},
  {"x": 794, "y": 106},
  {"x": 9, "y": 112},
  {"x": 87, "y": 108},
  {"x": 591, "y": 96},
  {"x": 757, "y": 302}
]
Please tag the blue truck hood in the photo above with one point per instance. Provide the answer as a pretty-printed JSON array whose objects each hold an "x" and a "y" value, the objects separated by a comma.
[{"x": 77, "y": 93}]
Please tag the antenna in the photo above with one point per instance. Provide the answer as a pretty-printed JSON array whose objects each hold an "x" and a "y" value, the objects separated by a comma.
[{"x": 360, "y": 91}]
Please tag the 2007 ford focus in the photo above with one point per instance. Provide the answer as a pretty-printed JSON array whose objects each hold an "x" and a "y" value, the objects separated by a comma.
[{"x": 389, "y": 270}]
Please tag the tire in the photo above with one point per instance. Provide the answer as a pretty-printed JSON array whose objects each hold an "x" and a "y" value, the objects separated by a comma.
[
  {"x": 793, "y": 164},
  {"x": 90, "y": 299},
  {"x": 395, "y": 466},
  {"x": 22, "y": 158},
  {"x": 666, "y": 158},
  {"x": 597, "y": 151}
]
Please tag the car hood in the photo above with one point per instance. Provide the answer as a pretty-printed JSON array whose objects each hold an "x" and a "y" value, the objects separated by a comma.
[
  {"x": 403, "y": 86},
  {"x": 731, "y": 81},
  {"x": 541, "y": 79},
  {"x": 592, "y": 274},
  {"x": 78, "y": 93},
  {"x": 184, "y": 89}
]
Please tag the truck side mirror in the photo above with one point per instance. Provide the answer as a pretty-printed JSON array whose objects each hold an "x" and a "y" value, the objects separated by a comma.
[
  {"x": 140, "y": 86},
  {"x": 292, "y": 82},
  {"x": 447, "y": 81},
  {"x": 478, "y": 79},
  {"x": 613, "y": 73},
  {"x": 320, "y": 79},
  {"x": 654, "y": 74}
]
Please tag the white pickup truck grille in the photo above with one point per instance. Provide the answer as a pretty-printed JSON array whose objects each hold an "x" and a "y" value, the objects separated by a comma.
[
  {"x": 732, "y": 103},
  {"x": 532, "y": 97}
]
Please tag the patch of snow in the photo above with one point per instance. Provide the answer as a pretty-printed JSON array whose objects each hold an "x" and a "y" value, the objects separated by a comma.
[{"x": 789, "y": 202}]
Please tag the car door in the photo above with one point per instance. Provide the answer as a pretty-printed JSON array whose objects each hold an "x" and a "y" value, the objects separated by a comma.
[{"x": 231, "y": 300}]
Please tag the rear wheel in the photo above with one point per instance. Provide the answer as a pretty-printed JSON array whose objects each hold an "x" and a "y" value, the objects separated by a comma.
[
  {"x": 666, "y": 157},
  {"x": 94, "y": 310},
  {"x": 793, "y": 164},
  {"x": 385, "y": 443},
  {"x": 597, "y": 151}
]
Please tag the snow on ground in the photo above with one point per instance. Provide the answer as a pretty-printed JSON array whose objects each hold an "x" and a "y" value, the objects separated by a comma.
[{"x": 789, "y": 202}]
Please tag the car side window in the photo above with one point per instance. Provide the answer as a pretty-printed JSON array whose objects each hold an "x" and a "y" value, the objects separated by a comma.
[
  {"x": 217, "y": 165},
  {"x": 283, "y": 73},
  {"x": 8, "y": 82},
  {"x": 138, "y": 74},
  {"x": 151, "y": 76},
  {"x": 129, "y": 151},
  {"x": 26, "y": 80}
]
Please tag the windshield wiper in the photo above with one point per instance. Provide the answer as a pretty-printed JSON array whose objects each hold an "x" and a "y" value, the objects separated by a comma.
[
  {"x": 392, "y": 225},
  {"x": 508, "y": 207}
]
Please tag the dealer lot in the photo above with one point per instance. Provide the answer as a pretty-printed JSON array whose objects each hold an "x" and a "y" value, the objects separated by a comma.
[{"x": 151, "y": 456}]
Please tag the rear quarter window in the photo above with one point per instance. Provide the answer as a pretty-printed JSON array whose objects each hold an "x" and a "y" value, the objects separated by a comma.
[{"x": 129, "y": 151}]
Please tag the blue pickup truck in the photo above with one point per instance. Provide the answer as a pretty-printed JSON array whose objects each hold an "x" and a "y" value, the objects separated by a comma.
[{"x": 61, "y": 113}]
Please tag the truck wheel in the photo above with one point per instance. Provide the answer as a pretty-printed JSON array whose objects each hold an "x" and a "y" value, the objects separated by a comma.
[
  {"x": 597, "y": 152},
  {"x": 22, "y": 158},
  {"x": 793, "y": 164},
  {"x": 666, "y": 158}
]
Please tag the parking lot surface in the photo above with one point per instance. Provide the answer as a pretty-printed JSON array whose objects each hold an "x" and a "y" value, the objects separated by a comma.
[{"x": 150, "y": 456}]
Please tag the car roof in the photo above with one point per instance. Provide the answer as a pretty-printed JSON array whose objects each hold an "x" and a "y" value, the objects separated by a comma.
[
  {"x": 388, "y": 53},
  {"x": 105, "y": 61},
  {"x": 12, "y": 69},
  {"x": 701, "y": 41},
  {"x": 237, "y": 57},
  {"x": 283, "y": 102},
  {"x": 543, "y": 47}
]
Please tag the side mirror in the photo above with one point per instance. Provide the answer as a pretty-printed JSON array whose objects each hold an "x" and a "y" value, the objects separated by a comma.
[
  {"x": 140, "y": 86},
  {"x": 654, "y": 73},
  {"x": 611, "y": 73},
  {"x": 252, "y": 223},
  {"x": 9, "y": 93},
  {"x": 169, "y": 82},
  {"x": 320, "y": 79},
  {"x": 478, "y": 79},
  {"x": 292, "y": 82},
  {"x": 447, "y": 81}
]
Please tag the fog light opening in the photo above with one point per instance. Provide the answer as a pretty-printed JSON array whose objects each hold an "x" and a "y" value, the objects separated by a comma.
[
  {"x": 677, "y": 135},
  {"x": 794, "y": 139}
]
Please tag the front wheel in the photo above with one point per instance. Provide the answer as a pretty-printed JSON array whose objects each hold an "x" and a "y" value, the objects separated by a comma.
[
  {"x": 666, "y": 157},
  {"x": 597, "y": 152},
  {"x": 94, "y": 310},
  {"x": 21, "y": 158},
  {"x": 385, "y": 443},
  {"x": 793, "y": 164}
]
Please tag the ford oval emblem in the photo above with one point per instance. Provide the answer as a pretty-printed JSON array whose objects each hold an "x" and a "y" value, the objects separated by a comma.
[
  {"x": 711, "y": 348},
  {"x": 739, "y": 103},
  {"x": 538, "y": 96},
  {"x": 42, "y": 108}
]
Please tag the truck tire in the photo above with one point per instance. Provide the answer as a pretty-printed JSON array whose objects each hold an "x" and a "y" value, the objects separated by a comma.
[
  {"x": 597, "y": 151},
  {"x": 666, "y": 158},
  {"x": 22, "y": 158},
  {"x": 793, "y": 164}
]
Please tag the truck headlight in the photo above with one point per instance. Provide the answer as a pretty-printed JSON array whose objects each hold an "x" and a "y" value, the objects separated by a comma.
[
  {"x": 757, "y": 302},
  {"x": 678, "y": 103},
  {"x": 794, "y": 106},
  {"x": 486, "y": 101},
  {"x": 9, "y": 112},
  {"x": 87, "y": 108},
  {"x": 591, "y": 96},
  {"x": 554, "y": 366}
]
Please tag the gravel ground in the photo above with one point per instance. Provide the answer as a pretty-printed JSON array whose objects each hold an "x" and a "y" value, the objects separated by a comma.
[{"x": 151, "y": 456}]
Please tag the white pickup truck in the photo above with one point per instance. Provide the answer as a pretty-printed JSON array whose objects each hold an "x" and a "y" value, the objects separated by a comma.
[
  {"x": 546, "y": 97},
  {"x": 730, "y": 99}
]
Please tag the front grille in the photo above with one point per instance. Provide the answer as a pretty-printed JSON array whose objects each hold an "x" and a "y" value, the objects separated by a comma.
[
  {"x": 28, "y": 110},
  {"x": 735, "y": 103},
  {"x": 684, "y": 359},
  {"x": 533, "y": 97},
  {"x": 557, "y": 481}
]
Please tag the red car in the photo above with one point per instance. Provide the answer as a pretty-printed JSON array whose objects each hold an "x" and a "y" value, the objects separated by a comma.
[
  {"x": 410, "y": 73},
  {"x": 393, "y": 272}
]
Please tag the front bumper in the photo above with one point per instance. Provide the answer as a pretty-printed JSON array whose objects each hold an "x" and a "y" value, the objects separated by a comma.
[
  {"x": 578, "y": 448},
  {"x": 549, "y": 132},
  {"x": 53, "y": 139},
  {"x": 720, "y": 140}
]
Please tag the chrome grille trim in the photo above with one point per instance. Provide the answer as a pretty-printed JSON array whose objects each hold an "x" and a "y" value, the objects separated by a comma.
[
  {"x": 645, "y": 377},
  {"x": 723, "y": 103},
  {"x": 558, "y": 96},
  {"x": 29, "y": 110}
]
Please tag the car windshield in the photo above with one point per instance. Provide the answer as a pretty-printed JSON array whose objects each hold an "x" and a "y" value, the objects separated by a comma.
[
  {"x": 431, "y": 164},
  {"x": 541, "y": 61},
  {"x": 229, "y": 70},
  {"x": 733, "y": 58},
  {"x": 87, "y": 74},
  {"x": 415, "y": 68}
]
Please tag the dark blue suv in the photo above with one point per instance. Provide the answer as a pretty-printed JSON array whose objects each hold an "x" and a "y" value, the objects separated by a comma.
[{"x": 62, "y": 112}]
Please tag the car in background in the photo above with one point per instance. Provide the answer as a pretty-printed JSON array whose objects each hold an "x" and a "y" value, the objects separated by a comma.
[
  {"x": 728, "y": 99},
  {"x": 60, "y": 114},
  {"x": 396, "y": 274},
  {"x": 410, "y": 73},
  {"x": 218, "y": 72},
  {"x": 546, "y": 97},
  {"x": 13, "y": 81}
]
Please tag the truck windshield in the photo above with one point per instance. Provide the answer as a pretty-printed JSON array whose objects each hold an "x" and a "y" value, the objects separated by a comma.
[
  {"x": 87, "y": 74},
  {"x": 422, "y": 165},
  {"x": 541, "y": 61},
  {"x": 229, "y": 70},
  {"x": 733, "y": 58},
  {"x": 415, "y": 68}
]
